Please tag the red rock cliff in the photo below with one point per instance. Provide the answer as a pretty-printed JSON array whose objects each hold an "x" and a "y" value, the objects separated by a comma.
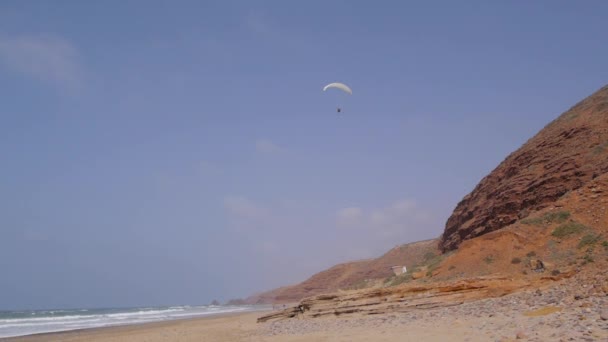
[{"x": 563, "y": 156}]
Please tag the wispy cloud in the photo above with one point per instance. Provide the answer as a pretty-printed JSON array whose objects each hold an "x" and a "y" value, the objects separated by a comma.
[
  {"x": 284, "y": 229},
  {"x": 267, "y": 147},
  {"x": 46, "y": 57},
  {"x": 393, "y": 221},
  {"x": 242, "y": 208},
  {"x": 399, "y": 218},
  {"x": 349, "y": 217}
]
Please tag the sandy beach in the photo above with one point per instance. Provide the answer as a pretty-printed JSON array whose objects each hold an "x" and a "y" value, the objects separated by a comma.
[
  {"x": 227, "y": 327},
  {"x": 243, "y": 327},
  {"x": 571, "y": 311}
]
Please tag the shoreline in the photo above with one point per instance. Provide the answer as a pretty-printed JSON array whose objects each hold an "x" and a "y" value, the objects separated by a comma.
[
  {"x": 84, "y": 334},
  {"x": 569, "y": 309}
]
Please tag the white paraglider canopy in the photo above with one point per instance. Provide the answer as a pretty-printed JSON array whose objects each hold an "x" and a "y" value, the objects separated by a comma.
[{"x": 338, "y": 85}]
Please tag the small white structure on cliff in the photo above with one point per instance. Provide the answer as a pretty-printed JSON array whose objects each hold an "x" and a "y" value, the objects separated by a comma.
[{"x": 399, "y": 270}]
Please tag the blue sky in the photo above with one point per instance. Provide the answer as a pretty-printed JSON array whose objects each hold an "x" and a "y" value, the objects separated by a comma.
[{"x": 157, "y": 152}]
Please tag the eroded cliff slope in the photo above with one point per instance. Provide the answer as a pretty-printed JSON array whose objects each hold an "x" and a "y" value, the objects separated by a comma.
[{"x": 569, "y": 152}]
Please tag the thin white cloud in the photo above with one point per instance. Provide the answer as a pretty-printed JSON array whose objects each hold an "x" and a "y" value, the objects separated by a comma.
[
  {"x": 368, "y": 232},
  {"x": 266, "y": 146},
  {"x": 349, "y": 217},
  {"x": 241, "y": 208},
  {"x": 397, "y": 211},
  {"x": 284, "y": 229},
  {"x": 393, "y": 220},
  {"x": 46, "y": 57}
]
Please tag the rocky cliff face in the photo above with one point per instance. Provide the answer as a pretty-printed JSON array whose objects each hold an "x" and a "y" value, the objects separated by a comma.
[{"x": 569, "y": 152}]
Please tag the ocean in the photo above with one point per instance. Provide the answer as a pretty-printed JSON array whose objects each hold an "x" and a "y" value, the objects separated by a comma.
[{"x": 26, "y": 322}]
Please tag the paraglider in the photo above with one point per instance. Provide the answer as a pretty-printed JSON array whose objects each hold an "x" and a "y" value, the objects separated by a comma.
[{"x": 340, "y": 86}]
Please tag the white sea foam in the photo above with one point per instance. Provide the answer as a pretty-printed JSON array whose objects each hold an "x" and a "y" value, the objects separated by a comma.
[{"x": 20, "y": 323}]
